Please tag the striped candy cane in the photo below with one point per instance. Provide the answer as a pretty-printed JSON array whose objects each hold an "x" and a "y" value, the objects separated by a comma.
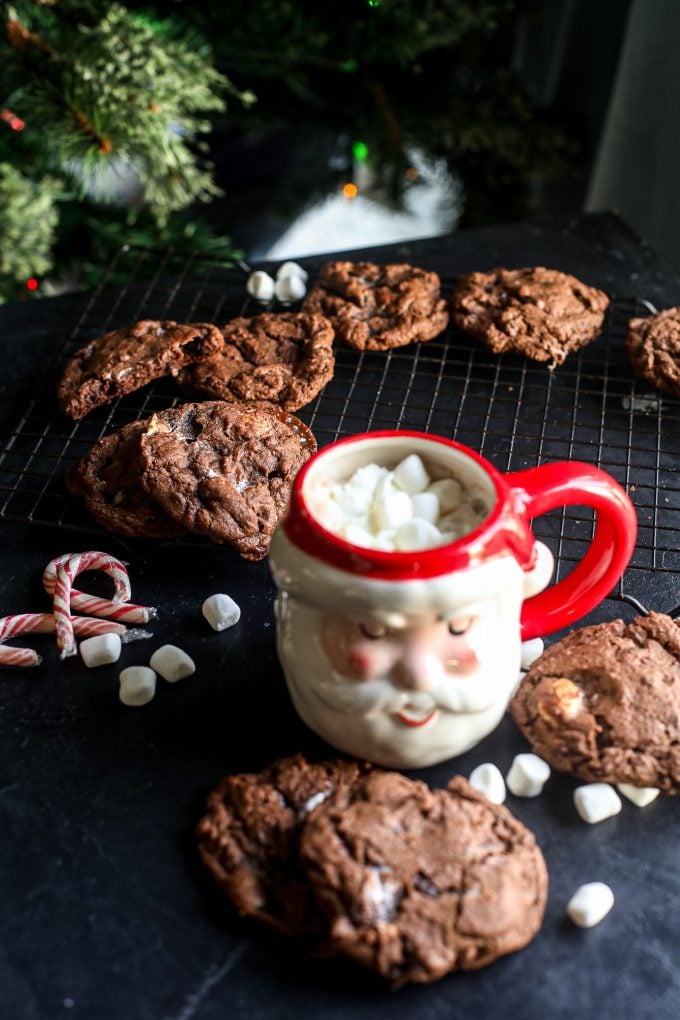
[
  {"x": 45, "y": 623},
  {"x": 117, "y": 609}
]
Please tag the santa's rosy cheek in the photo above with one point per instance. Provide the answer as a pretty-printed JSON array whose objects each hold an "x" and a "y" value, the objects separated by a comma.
[
  {"x": 361, "y": 662},
  {"x": 461, "y": 658}
]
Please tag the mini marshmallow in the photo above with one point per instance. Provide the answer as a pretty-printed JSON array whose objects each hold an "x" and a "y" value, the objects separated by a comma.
[
  {"x": 596, "y": 801},
  {"x": 590, "y": 904},
  {"x": 488, "y": 780},
  {"x": 100, "y": 650},
  {"x": 410, "y": 475},
  {"x": 448, "y": 491},
  {"x": 290, "y": 288},
  {"x": 290, "y": 269},
  {"x": 527, "y": 776},
  {"x": 391, "y": 510},
  {"x": 426, "y": 505},
  {"x": 641, "y": 796},
  {"x": 172, "y": 663},
  {"x": 260, "y": 286},
  {"x": 357, "y": 535},
  {"x": 137, "y": 686},
  {"x": 417, "y": 534},
  {"x": 531, "y": 650},
  {"x": 221, "y": 611}
]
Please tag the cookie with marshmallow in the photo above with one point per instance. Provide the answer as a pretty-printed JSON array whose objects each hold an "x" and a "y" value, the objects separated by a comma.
[{"x": 603, "y": 704}]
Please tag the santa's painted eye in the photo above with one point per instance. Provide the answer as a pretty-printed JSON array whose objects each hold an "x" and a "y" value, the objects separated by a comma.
[
  {"x": 372, "y": 630},
  {"x": 460, "y": 626}
]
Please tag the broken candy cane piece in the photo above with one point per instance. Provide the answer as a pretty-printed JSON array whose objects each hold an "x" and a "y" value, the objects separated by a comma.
[
  {"x": 45, "y": 623},
  {"x": 117, "y": 609}
]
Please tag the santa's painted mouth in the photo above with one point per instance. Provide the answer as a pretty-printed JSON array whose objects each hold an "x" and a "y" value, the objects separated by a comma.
[{"x": 413, "y": 718}]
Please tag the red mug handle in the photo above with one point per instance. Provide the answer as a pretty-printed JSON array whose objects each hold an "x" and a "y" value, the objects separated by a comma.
[{"x": 544, "y": 488}]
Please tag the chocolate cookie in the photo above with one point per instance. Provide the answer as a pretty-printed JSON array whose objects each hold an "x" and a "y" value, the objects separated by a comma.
[
  {"x": 376, "y": 307},
  {"x": 248, "y": 840},
  {"x": 270, "y": 360},
  {"x": 125, "y": 359},
  {"x": 418, "y": 882},
  {"x": 653, "y": 347},
  {"x": 107, "y": 478},
  {"x": 603, "y": 704},
  {"x": 224, "y": 470},
  {"x": 541, "y": 313}
]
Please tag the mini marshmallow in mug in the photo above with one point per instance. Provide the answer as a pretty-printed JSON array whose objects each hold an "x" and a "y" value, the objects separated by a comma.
[
  {"x": 260, "y": 286},
  {"x": 407, "y": 658},
  {"x": 288, "y": 269}
]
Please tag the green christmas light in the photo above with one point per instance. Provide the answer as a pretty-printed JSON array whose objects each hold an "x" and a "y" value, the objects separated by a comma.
[
  {"x": 360, "y": 152},
  {"x": 350, "y": 65},
  {"x": 374, "y": 3}
]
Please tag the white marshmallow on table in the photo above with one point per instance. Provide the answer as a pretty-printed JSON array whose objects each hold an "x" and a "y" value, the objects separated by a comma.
[
  {"x": 290, "y": 288},
  {"x": 260, "y": 286},
  {"x": 528, "y": 775},
  {"x": 290, "y": 269},
  {"x": 590, "y": 904},
  {"x": 488, "y": 780},
  {"x": 172, "y": 663},
  {"x": 596, "y": 801},
  {"x": 448, "y": 491},
  {"x": 641, "y": 796},
  {"x": 100, "y": 649},
  {"x": 426, "y": 505},
  {"x": 221, "y": 611},
  {"x": 531, "y": 650},
  {"x": 417, "y": 534},
  {"x": 137, "y": 686},
  {"x": 410, "y": 474}
]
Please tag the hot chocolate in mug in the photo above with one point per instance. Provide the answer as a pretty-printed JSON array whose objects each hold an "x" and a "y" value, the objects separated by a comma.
[{"x": 409, "y": 658}]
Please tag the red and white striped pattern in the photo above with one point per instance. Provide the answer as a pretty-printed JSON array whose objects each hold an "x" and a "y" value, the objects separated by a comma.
[
  {"x": 58, "y": 581},
  {"x": 45, "y": 623}
]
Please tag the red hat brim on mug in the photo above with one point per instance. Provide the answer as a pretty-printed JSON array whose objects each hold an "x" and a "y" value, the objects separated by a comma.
[{"x": 505, "y": 531}]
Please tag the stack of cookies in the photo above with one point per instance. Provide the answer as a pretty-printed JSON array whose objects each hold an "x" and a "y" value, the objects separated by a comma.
[
  {"x": 407, "y": 881},
  {"x": 218, "y": 469}
]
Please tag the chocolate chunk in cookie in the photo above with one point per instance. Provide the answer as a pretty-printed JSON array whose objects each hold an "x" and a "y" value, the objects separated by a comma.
[
  {"x": 540, "y": 313},
  {"x": 248, "y": 840},
  {"x": 108, "y": 480},
  {"x": 125, "y": 359},
  {"x": 270, "y": 360},
  {"x": 376, "y": 307},
  {"x": 418, "y": 882},
  {"x": 224, "y": 470},
  {"x": 653, "y": 347},
  {"x": 603, "y": 704}
]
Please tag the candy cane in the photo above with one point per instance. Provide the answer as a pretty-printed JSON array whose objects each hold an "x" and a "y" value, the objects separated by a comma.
[
  {"x": 118, "y": 609},
  {"x": 45, "y": 623}
]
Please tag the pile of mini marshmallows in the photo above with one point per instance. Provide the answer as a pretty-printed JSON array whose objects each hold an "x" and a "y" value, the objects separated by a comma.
[
  {"x": 138, "y": 683},
  {"x": 290, "y": 284},
  {"x": 396, "y": 510}
]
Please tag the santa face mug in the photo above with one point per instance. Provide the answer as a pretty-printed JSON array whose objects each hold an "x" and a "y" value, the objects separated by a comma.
[{"x": 408, "y": 656}]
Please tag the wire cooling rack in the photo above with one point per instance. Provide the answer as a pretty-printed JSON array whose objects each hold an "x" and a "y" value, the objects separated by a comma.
[{"x": 515, "y": 412}]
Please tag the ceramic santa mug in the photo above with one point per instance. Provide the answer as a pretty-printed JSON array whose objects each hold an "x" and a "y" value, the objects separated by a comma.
[{"x": 406, "y": 659}]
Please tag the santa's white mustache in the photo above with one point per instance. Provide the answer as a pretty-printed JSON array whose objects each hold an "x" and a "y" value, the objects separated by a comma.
[{"x": 369, "y": 697}]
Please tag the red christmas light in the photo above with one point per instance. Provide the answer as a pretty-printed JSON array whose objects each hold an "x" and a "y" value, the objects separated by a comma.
[
  {"x": 32, "y": 283},
  {"x": 16, "y": 123}
]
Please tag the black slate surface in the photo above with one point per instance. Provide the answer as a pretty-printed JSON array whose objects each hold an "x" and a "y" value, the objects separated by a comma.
[{"x": 106, "y": 913}]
